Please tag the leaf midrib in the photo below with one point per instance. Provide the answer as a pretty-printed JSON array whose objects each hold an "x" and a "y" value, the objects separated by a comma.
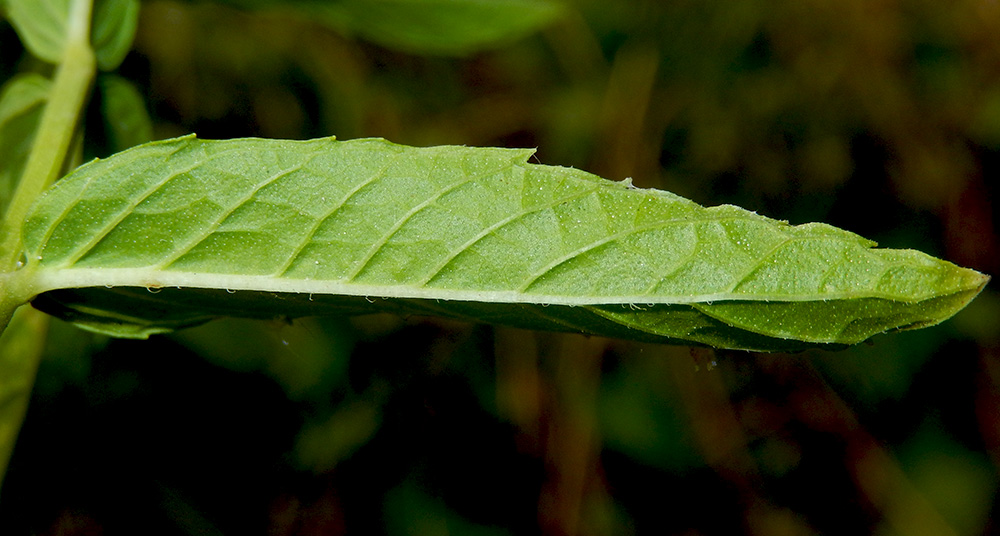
[{"x": 46, "y": 279}]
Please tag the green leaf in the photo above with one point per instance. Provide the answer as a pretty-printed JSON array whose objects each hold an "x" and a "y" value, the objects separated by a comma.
[
  {"x": 115, "y": 23},
  {"x": 21, "y": 104},
  {"x": 125, "y": 117},
  {"x": 21, "y": 94},
  {"x": 440, "y": 26},
  {"x": 43, "y": 26},
  {"x": 446, "y": 27},
  {"x": 260, "y": 228}
]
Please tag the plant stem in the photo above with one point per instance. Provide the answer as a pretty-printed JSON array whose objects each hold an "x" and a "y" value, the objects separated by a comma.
[
  {"x": 21, "y": 346},
  {"x": 20, "y": 351},
  {"x": 55, "y": 132}
]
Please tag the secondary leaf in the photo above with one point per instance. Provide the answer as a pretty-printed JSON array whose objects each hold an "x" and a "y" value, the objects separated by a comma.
[
  {"x": 440, "y": 26},
  {"x": 261, "y": 228},
  {"x": 22, "y": 93},
  {"x": 115, "y": 23},
  {"x": 21, "y": 105},
  {"x": 126, "y": 120},
  {"x": 447, "y": 27},
  {"x": 43, "y": 26}
]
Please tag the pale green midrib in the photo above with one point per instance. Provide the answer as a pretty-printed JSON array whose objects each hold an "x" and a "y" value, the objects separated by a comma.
[
  {"x": 43, "y": 280},
  {"x": 67, "y": 262}
]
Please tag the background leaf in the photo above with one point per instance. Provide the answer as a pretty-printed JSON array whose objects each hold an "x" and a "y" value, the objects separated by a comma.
[
  {"x": 439, "y": 26},
  {"x": 455, "y": 231},
  {"x": 21, "y": 104},
  {"x": 42, "y": 26},
  {"x": 113, "y": 31},
  {"x": 123, "y": 108},
  {"x": 446, "y": 27}
]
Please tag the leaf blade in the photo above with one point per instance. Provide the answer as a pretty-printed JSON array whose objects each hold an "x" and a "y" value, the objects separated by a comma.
[
  {"x": 115, "y": 24},
  {"x": 126, "y": 121},
  {"x": 435, "y": 27},
  {"x": 43, "y": 26},
  {"x": 443, "y": 27},
  {"x": 480, "y": 230},
  {"x": 22, "y": 101}
]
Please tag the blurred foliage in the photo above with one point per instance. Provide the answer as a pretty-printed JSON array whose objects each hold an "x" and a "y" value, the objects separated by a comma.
[
  {"x": 443, "y": 27},
  {"x": 44, "y": 28},
  {"x": 123, "y": 109},
  {"x": 882, "y": 118},
  {"x": 21, "y": 104}
]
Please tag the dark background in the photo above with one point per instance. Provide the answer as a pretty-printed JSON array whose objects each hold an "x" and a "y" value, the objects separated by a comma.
[{"x": 879, "y": 117}]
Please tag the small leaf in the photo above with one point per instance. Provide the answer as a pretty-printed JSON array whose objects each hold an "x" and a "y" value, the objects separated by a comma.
[
  {"x": 440, "y": 26},
  {"x": 22, "y": 94},
  {"x": 115, "y": 23},
  {"x": 43, "y": 26},
  {"x": 262, "y": 228},
  {"x": 445, "y": 27},
  {"x": 21, "y": 105},
  {"x": 124, "y": 110}
]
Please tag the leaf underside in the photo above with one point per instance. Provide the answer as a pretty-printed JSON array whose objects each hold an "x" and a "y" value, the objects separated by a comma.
[{"x": 186, "y": 230}]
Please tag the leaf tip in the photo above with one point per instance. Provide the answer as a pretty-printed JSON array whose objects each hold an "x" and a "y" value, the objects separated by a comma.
[{"x": 979, "y": 280}]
